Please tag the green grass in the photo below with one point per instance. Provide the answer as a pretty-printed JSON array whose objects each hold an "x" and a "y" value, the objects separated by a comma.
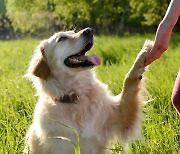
[{"x": 161, "y": 128}]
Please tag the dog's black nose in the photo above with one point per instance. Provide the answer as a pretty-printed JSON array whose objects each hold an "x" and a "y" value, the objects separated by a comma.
[{"x": 88, "y": 32}]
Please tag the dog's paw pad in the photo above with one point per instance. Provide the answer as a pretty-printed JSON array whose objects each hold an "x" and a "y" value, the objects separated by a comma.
[
  {"x": 136, "y": 72},
  {"x": 140, "y": 78},
  {"x": 140, "y": 71}
]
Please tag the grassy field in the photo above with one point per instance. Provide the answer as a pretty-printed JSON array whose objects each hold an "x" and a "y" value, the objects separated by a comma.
[{"x": 161, "y": 128}]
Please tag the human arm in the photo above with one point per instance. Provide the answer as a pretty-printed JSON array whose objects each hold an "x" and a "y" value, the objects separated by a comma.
[{"x": 164, "y": 31}]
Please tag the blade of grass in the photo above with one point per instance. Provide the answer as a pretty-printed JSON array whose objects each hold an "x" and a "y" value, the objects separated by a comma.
[{"x": 76, "y": 147}]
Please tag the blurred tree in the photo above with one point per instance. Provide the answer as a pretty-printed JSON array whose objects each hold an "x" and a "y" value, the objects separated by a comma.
[
  {"x": 29, "y": 16},
  {"x": 2, "y": 7},
  {"x": 149, "y": 12},
  {"x": 124, "y": 15},
  {"x": 106, "y": 14},
  {"x": 5, "y": 23},
  {"x": 71, "y": 13}
]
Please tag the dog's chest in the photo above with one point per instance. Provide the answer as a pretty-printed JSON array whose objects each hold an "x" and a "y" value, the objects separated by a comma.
[
  {"x": 83, "y": 116},
  {"x": 87, "y": 116}
]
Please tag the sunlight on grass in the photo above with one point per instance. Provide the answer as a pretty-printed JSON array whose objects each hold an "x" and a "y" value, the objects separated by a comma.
[{"x": 161, "y": 128}]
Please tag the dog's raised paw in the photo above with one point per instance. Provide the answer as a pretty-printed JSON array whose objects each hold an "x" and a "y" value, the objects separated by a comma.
[
  {"x": 138, "y": 67},
  {"x": 141, "y": 57}
]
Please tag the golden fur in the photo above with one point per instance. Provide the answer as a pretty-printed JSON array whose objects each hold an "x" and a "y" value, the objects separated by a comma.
[{"x": 98, "y": 116}]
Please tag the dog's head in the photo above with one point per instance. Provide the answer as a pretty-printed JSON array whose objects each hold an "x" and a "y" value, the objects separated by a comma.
[{"x": 65, "y": 51}]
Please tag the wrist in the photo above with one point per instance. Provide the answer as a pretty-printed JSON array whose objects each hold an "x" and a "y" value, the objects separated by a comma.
[{"x": 168, "y": 23}]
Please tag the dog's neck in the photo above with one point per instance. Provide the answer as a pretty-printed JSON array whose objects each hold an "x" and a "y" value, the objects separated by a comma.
[
  {"x": 69, "y": 94},
  {"x": 66, "y": 80},
  {"x": 63, "y": 79},
  {"x": 70, "y": 86}
]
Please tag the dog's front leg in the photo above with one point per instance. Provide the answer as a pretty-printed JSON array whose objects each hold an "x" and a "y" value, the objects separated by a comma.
[{"x": 130, "y": 103}]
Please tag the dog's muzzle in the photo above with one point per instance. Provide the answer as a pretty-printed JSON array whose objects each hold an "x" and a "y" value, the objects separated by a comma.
[{"x": 80, "y": 59}]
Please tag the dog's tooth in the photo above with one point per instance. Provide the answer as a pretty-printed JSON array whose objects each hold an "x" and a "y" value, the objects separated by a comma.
[{"x": 75, "y": 60}]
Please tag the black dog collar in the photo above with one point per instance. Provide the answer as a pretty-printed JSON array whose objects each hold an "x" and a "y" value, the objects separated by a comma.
[{"x": 72, "y": 97}]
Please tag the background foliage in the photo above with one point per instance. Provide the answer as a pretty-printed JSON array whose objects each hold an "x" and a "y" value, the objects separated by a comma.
[{"x": 105, "y": 16}]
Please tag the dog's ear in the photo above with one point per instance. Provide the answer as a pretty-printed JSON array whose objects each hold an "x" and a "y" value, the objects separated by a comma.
[{"x": 42, "y": 69}]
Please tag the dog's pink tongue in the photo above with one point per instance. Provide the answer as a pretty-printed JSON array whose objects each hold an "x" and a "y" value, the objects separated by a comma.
[{"x": 95, "y": 59}]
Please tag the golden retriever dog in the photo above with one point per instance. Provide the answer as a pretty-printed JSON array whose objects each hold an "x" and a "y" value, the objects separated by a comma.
[{"x": 70, "y": 93}]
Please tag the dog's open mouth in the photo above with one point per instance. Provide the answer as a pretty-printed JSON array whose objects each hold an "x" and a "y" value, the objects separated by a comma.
[{"x": 81, "y": 60}]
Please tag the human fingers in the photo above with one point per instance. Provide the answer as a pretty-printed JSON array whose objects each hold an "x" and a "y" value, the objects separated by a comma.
[{"x": 151, "y": 56}]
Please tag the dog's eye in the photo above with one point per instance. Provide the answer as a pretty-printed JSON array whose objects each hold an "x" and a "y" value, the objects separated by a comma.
[{"x": 62, "y": 38}]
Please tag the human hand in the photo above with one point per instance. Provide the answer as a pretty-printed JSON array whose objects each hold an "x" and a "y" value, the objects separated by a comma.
[
  {"x": 161, "y": 42},
  {"x": 164, "y": 31}
]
